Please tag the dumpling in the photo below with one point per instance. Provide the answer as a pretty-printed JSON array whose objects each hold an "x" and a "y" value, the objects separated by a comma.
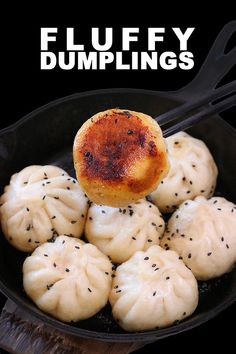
[
  {"x": 120, "y": 232},
  {"x": 39, "y": 203},
  {"x": 192, "y": 172},
  {"x": 203, "y": 233},
  {"x": 68, "y": 279},
  {"x": 119, "y": 156},
  {"x": 153, "y": 289}
]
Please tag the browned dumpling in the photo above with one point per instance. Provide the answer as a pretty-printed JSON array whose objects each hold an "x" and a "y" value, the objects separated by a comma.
[{"x": 119, "y": 157}]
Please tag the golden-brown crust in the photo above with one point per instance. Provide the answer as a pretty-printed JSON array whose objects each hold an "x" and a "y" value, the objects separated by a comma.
[{"x": 119, "y": 156}]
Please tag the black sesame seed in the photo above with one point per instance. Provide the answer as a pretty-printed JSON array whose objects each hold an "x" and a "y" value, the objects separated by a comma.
[
  {"x": 176, "y": 194},
  {"x": 90, "y": 218},
  {"x": 63, "y": 174},
  {"x": 82, "y": 215},
  {"x": 162, "y": 182},
  {"x": 176, "y": 142},
  {"x": 154, "y": 265},
  {"x": 190, "y": 239},
  {"x": 103, "y": 212},
  {"x": 232, "y": 210},
  {"x": 45, "y": 255},
  {"x": 67, "y": 270},
  {"x": 150, "y": 206},
  {"x": 153, "y": 224},
  {"x": 63, "y": 242},
  {"x": 124, "y": 211},
  {"x": 167, "y": 278},
  {"x": 73, "y": 222},
  {"x": 129, "y": 131},
  {"x": 215, "y": 201},
  {"x": 118, "y": 291},
  {"x": 56, "y": 198},
  {"x": 49, "y": 286},
  {"x": 177, "y": 216},
  {"x": 186, "y": 203},
  {"x": 180, "y": 257},
  {"x": 89, "y": 290},
  {"x": 28, "y": 228},
  {"x": 53, "y": 217},
  {"x": 116, "y": 286},
  {"x": 177, "y": 230},
  {"x": 193, "y": 166},
  {"x": 182, "y": 235},
  {"x": 172, "y": 234},
  {"x": 154, "y": 293},
  {"x": 146, "y": 258},
  {"x": 44, "y": 197},
  {"x": 29, "y": 240},
  {"x": 166, "y": 245},
  {"x": 36, "y": 242},
  {"x": 189, "y": 255},
  {"x": 167, "y": 207},
  {"x": 74, "y": 181},
  {"x": 106, "y": 273},
  {"x": 48, "y": 182},
  {"x": 209, "y": 253},
  {"x": 87, "y": 154},
  {"x": 77, "y": 247},
  {"x": 131, "y": 212},
  {"x": 168, "y": 238},
  {"x": 156, "y": 269},
  {"x": 218, "y": 208},
  {"x": 68, "y": 188},
  {"x": 27, "y": 209},
  {"x": 120, "y": 210},
  {"x": 113, "y": 275},
  {"x": 184, "y": 313},
  {"x": 25, "y": 182},
  {"x": 52, "y": 229},
  {"x": 133, "y": 238},
  {"x": 202, "y": 191},
  {"x": 227, "y": 246},
  {"x": 184, "y": 179},
  {"x": 54, "y": 265},
  {"x": 188, "y": 192},
  {"x": 149, "y": 240},
  {"x": 222, "y": 239},
  {"x": 190, "y": 182}
]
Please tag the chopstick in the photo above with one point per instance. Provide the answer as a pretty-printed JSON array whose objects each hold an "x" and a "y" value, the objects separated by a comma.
[
  {"x": 191, "y": 112},
  {"x": 204, "y": 113}
]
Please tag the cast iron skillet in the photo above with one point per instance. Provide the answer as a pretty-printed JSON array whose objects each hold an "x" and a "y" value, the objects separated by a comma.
[{"x": 46, "y": 135}]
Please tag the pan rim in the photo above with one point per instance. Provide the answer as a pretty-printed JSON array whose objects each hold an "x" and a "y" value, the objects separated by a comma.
[{"x": 106, "y": 336}]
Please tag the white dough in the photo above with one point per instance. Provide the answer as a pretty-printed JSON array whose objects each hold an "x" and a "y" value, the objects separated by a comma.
[
  {"x": 68, "y": 279},
  {"x": 152, "y": 289},
  {"x": 203, "y": 233},
  {"x": 192, "y": 172},
  {"x": 41, "y": 202},
  {"x": 120, "y": 232}
]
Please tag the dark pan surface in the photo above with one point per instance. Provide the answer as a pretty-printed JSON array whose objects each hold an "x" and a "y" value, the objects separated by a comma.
[{"x": 46, "y": 136}]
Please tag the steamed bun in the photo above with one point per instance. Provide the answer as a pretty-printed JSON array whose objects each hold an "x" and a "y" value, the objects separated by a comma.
[
  {"x": 68, "y": 279},
  {"x": 120, "y": 232},
  {"x": 192, "y": 172},
  {"x": 152, "y": 289},
  {"x": 41, "y": 202},
  {"x": 203, "y": 233}
]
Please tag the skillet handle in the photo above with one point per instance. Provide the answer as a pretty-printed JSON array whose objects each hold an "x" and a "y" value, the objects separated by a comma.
[{"x": 216, "y": 65}]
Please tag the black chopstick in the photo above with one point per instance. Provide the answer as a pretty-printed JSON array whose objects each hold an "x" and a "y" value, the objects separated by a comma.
[
  {"x": 197, "y": 117},
  {"x": 173, "y": 115}
]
